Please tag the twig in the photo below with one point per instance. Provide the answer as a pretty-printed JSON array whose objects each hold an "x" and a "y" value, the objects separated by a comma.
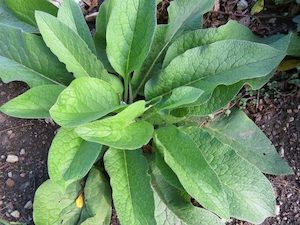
[{"x": 12, "y": 128}]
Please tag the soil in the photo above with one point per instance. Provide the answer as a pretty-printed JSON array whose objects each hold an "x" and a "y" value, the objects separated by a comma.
[{"x": 277, "y": 115}]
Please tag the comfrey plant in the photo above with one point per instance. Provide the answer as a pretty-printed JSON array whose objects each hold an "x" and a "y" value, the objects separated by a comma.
[{"x": 133, "y": 105}]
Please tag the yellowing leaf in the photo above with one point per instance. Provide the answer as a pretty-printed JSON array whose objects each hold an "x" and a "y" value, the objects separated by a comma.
[
  {"x": 79, "y": 201},
  {"x": 288, "y": 64},
  {"x": 258, "y": 7}
]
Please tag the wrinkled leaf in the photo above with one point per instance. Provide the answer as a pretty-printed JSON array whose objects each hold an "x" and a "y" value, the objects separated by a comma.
[
  {"x": 24, "y": 57},
  {"x": 130, "y": 32},
  {"x": 70, "y": 157},
  {"x": 130, "y": 182},
  {"x": 34, "y": 103},
  {"x": 120, "y": 131},
  {"x": 84, "y": 100},
  {"x": 249, "y": 142}
]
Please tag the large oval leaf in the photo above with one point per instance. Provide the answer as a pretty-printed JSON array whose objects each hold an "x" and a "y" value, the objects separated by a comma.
[
  {"x": 130, "y": 32},
  {"x": 241, "y": 133},
  {"x": 224, "y": 62},
  {"x": 25, "y": 57},
  {"x": 120, "y": 131},
  {"x": 130, "y": 182},
  {"x": 70, "y": 157},
  {"x": 33, "y": 104},
  {"x": 84, "y": 100}
]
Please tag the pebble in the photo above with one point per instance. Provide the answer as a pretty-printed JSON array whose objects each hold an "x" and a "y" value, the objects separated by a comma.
[
  {"x": 22, "y": 152},
  {"x": 28, "y": 205},
  {"x": 15, "y": 214},
  {"x": 12, "y": 159},
  {"x": 2, "y": 119},
  {"x": 22, "y": 174},
  {"x": 10, "y": 174},
  {"x": 277, "y": 210},
  {"x": 1, "y": 202},
  {"x": 10, "y": 182},
  {"x": 242, "y": 5},
  {"x": 3, "y": 157}
]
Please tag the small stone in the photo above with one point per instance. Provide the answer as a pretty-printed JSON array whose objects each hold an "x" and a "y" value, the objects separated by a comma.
[
  {"x": 10, "y": 182},
  {"x": 1, "y": 202},
  {"x": 15, "y": 214},
  {"x": 2, "y": 118},
  {"x": 22, "y": 174},
  {"x": 291, "y": 119},
  {"x": 12, "y": 159},
  {"x": 242, "y": 5},
  {"x": 22, "y": 152},
  {"x": 3, "y": 157},
  {"x": 289, "y": 111},
  {"x": 277, "y": 210},
  {"x": 9, "y": 174},
  {"x": 28, "y": 205},
  {"x": 289, "y": 195}
]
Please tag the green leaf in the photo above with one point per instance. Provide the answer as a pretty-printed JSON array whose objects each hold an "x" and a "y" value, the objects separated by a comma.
[
  {"x": 172, "y": 208},
  {"x": 70, "y": 14},
  {"x": 50, "y": 200},
  {"x": 130, "y": 32},
  {"x": 196, "y": 38},
  {"x": 70, "y": 158},
  {"x": 34, "y": 103},
  {"x": 100, "y": 35},
  {"x": 24, "y": 57},
  {"x": 183, "y": 157},
  {"x": 239, "y": 132},
  {"x": 97, "y": 198},
  {"x": 69, "y": 47},
  {"x": 152, "y": 62},
  {"x": 180, "y": 96},
  {"x": 120, "y": 131},
  {"x": 25, "y": 9},
  {"x": 84, "y": 100},
  {"x": 186, "y": 15},
  {"x": 248, "y": 193},
  {"x": 289, "y": 43},
  {"x": 258, "y": 7},
  {"x": 133, "y": 200},
  {"x": 7, "y": 18},
  {"x": 208, "y": 66}
]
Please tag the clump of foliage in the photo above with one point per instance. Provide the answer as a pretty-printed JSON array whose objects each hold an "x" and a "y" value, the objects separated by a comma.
[{"x": 133, "y": 105}]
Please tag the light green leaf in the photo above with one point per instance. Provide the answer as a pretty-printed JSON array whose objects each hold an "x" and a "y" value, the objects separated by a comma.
[
  {"x": 69, "y": 47},
  {"x": 192, "y": 169},
  {"x": 8, "y": 18},
  {"x": 33, "y": 104},
  {"x": 70, "y": 13},
  {"x": 24, "y": 57},
  {"x": 120, "y": 131},
  {"x": 186, "y": 15},
  {"x": 130, "y": 182},
  {"x": 130, "y": 32},
  {"x": 248, "y": 193},
  {"x": 289, "y": 43},
  {"x": 249, "y": 142},
  {"x": 97, "y": 196},
  {"x": 50, "y": 200},
  {"x": 152, "y": 62},
  {"x": 196, "y": 38},
  {"x": 172, "y": 208},
  {"x": 180, "y": 96},
  {"x": 100, "y": 35},
  {"x": 84, "y": 100},
  {"x": 258, "y": 7},
  {"x": 224, "y": 62},
  {"x": 70, "y": 158},
  {"x": 25, "y": 9}
]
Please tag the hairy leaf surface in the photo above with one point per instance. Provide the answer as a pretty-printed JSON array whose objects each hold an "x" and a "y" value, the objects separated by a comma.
[
  {"x": 34, "y": 103},
  {"x": 130, "y": 32},
  {"x": 70, "y": 13},
  {"x": 130, "y": 182},
  {"x": 24, "y": 57},
  {"x": 120, "y": 131},
  {"x": 84, "y": 100},
  {"x": 70, "y": 157},
  {"x": 249, "y": 142},
  {"x": 224, "y": 62}
]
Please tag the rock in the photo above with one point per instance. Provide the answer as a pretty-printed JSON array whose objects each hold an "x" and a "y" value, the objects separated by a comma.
[
  {"x": 10, "y": 174},
  {"x": 12, "y": 159},
  {"x": 28, "y": 205},
  {"x": 277, "y": 210},
  {"x": 10, "y": 182},
  {"x": 22, "y": 174},
  {"x": 3, "y": 157},
  {"x": 22, "y": 152},
  {"x": 1, "y": 202},
  {"x": 15, "y": 214},
  {"x": 242, "y": 5}
]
